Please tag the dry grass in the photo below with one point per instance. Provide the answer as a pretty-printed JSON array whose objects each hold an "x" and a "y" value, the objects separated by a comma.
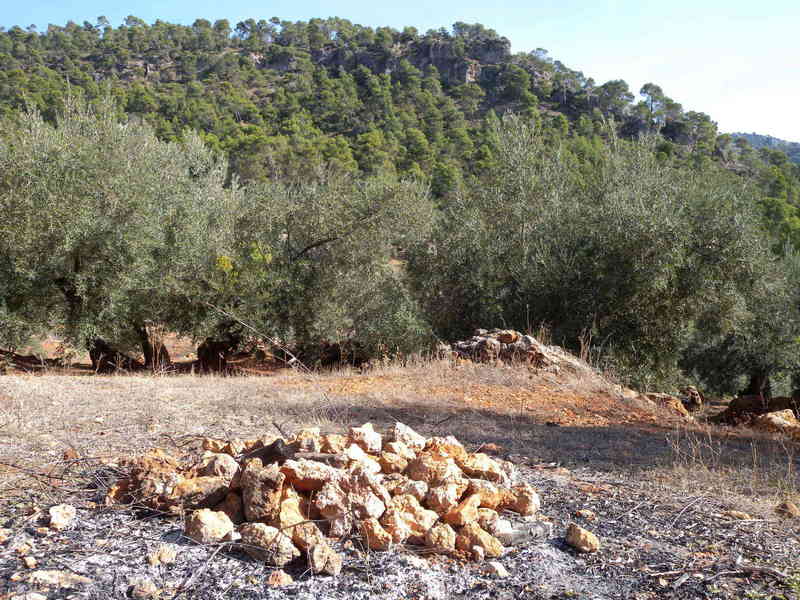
[
  {"x": 639, "y": 468},
  {"x": 755, "y": 471},
  {"x": 573, "y": 421}
]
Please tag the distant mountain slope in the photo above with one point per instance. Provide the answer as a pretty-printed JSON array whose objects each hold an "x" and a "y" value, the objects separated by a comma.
[
  {"x": 792, "y": 149},
  {"x": 283, "y": 98}
]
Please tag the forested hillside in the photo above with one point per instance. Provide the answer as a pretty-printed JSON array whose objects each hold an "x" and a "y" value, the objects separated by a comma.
[
  {"x": 280, "y": 98},
  {"x": 338, "y": 182},
  {"x": 792, "y": 149}
]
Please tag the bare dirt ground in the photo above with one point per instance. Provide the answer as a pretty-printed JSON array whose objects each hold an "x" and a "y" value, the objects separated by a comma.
[{"x": 660, "y": 485}]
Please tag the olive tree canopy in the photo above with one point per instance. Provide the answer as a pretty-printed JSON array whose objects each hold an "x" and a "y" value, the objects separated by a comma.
[{"x": 104, "y": 229}]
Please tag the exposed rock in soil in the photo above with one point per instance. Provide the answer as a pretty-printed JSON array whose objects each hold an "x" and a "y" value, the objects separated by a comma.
[
  {"x": 693, "y": 399},
  {"x": 744, "y": 409},
  {"x": 781, "y": 421},
  {"x": 582, "y": 539},
  {"x": 62, "y": 516},
  {"x": 788, "y": 510},
  {"x": 670, "y": 402},
  {"x": 280, "y": 578}
]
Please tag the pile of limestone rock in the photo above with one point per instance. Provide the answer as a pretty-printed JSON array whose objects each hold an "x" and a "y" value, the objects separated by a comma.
[
  {"x": 289, "y": 498},
  {"x": 509, "y": 346},
  {"x": 512, "y": 346}
]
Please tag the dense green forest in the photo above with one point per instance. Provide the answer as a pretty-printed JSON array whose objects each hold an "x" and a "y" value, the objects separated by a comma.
[
  {"x": 792, "y": 149},
  {"x": 281, "y": 98},
  {"x": 329, "y": 181}
]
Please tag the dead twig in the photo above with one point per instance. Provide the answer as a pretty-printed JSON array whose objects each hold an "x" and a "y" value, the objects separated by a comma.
[
  {"x": 37, "y": 474},
  {"x": 749, "y": 570},
  {"x": 685, "y": 508},
  {"x": 680, "y": 581},
  {"x": 667, "y": 573},
  {"x": 445, "y": 420},
  {"x": 185, "y": 584},
  {"x": 751, "y": 521},
  {"x": 634, "y": 509},
  {"x": 740, "y": 570},
  {"x": 174, "y": 441},
  {"x": 281, "y": 431}
]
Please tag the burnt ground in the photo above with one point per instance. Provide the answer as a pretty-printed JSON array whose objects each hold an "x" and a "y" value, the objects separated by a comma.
[
  {"x": 653, "y": 546},
  {"x": 660, "y": 487}
]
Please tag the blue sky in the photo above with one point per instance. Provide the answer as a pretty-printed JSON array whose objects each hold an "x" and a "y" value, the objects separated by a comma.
[{"x": 737, "y": 60}]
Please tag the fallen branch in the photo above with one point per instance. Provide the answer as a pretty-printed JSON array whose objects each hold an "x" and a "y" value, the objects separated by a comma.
[
  {"x": 750, "y": 570},
  {"x": 751, "y": 521},
  {"x": 280, "y": 430},
  {"x": 685, "y": 508},
  {"x": 37, "y": 474},
  {"x": 740, "y": 570},
  {"x": 183, "y": 586}
]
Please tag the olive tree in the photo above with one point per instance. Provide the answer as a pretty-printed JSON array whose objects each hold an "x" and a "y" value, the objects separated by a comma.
[
  {"x": 320, "y": 261},
  {"x": 105, "y": 229},
  {"x": 463, "y": 275},
  {"x": 620, "y": 245},
  {"x": 744, "y": 355}
]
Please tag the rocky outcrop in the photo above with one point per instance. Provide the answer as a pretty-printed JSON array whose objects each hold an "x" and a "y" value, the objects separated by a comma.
[
  {"x": 454, "y": 66},
  {"x": 781, "y": 421},
  {"x": 671, "y": 403},
  {"x": 692, "y": 398}
]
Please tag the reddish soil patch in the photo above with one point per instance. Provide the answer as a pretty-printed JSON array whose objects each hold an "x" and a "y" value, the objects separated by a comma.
[{"x": 541, "y": 401}]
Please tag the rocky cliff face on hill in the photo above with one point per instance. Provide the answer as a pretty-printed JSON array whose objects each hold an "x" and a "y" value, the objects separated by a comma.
[{"x": 454, "y": 67}]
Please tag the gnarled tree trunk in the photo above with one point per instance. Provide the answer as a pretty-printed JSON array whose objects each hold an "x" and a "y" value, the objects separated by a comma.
[
  {"x": 156, "y": 356},
  {"x": 106, "y": 359},
  {"x": 759, "y": 385},
  {"x": 213, "y": 354}
]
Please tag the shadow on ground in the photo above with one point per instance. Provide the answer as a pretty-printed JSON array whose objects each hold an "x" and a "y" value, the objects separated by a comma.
[{"x": 759, "y": 463}]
